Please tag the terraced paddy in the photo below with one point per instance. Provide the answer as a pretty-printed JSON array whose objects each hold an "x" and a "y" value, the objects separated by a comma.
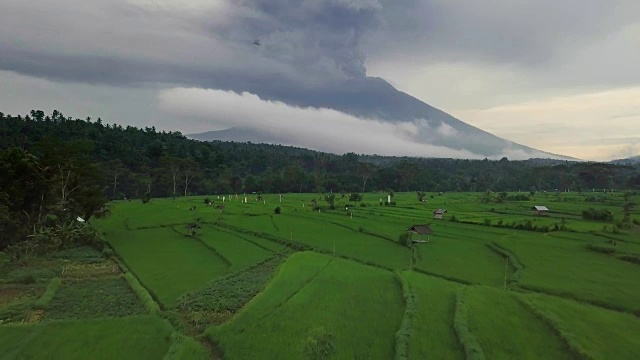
[{"x": 494, "y": 281}]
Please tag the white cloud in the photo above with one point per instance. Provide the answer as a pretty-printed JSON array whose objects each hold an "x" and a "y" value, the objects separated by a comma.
[
  {"x": 321, "y": 129},
  {"x": 446, "y": 130}
]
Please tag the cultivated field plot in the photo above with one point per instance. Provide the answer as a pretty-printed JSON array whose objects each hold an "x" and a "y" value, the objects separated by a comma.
[
  {"x": 124, "y": 338},
  {"x": 297, "y": 279},
  {"x": 168, "y": 263},
  {"x": 432, "y": 335},
  {"x": 317, "y": 303}
]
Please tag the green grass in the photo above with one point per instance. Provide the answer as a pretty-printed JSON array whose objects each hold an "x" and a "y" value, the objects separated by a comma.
[
  {"x": 124, "y": 338},
  {"x": 591, "y": 331},
  {"x": 184, "y": 347},
  {"x": 315, "y": 299},
  {"x": 432, "y": 336},
  {"x": 167, "y": 263},
  {"x": 506, "y": 329},
  {"x": 567, "y": 268},
  {"x": 325, "y": 236},
  {"x": 238, "y": 251},
  {"x": 451, "y": 256}
]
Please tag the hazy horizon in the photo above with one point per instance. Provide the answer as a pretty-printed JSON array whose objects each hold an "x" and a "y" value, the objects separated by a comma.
[{"x": 560, "y": 78}]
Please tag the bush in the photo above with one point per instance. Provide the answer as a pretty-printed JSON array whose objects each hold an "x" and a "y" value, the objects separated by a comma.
[
  {"x": 107, "y": 252},
  {"x": 630, "y": 258},
  {"x": 597, "y": 214},
  {"x": 601, "y": 249},
  {"x": 28, "y": 279},
  {"x": 277, "y": 210},
  {"x": 404, "y": 239},
  {"x": 43, "y": 302},
  {"x": 519, "y": 197},
  {"x": 319, "y": 344},
  {"x": 403, "y": 334},
  {"x": 471, "y": 345},
  {"x": 143, "y": 295}
]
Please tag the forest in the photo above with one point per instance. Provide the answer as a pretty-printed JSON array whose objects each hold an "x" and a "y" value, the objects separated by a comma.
[{"x": 55, "y": 168}]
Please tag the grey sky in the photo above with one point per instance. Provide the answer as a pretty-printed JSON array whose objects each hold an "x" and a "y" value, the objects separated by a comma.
[{"x": 503, "y": 66}]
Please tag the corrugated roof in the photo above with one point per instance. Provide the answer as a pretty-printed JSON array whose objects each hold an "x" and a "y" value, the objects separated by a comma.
[
  {"x": 540, "y": 208},
  {"x": 420, "y": 229},
  {"x": 440, "y": 211}
]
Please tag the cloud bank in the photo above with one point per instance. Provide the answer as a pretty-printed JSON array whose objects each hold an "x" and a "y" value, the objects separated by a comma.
[{"x": 316, "y": 128}]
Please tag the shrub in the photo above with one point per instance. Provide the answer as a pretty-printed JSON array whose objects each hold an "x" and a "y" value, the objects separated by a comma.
[
  {"x": 595, "y": 214},
  {"x": 403, "y": 334},
  {"x": 467, "y": 339},
  {"x": 519, "y": 197},
  {"x": 319, "y": 344},
  {"x": 630, "y": 258},
  {"x": 28, "y": 279},
  {"x": 277, "y": 210},
  {"x": 143, "y": 295},
  {"x": 404, "y": 239},
  {"x": 107, "y": 252},
  {"x": 601, "y": 249},
  {"x": 53, "y": 286}
]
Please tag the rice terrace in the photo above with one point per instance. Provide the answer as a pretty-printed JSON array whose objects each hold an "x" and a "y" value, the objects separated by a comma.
[{"x": 273, "y": 276}]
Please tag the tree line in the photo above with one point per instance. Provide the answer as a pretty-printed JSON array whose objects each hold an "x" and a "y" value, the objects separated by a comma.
[{"x": 57, "y": 165}]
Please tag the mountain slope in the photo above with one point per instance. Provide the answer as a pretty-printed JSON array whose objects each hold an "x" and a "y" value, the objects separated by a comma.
[
  {"x": 375, "y": 98},
  {"x": 627, "y": 161}
]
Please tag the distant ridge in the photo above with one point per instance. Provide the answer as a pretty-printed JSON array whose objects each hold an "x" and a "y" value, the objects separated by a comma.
[
  {"x": 627, "y": 161},
  {"x": 375, "y": 98}
]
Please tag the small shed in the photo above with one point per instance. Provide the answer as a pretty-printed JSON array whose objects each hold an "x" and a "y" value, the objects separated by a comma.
[
  {"x": 439, "y": 213},
  {"x": 420, "y": 230},
  {"x": 540, "y": 210}
]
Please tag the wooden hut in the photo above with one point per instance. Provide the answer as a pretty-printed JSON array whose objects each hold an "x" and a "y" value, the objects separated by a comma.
[
  {"x": 439, "y": 213},
  {"x": 540, "y": 210},
  {"x": 420, "y": 230}
]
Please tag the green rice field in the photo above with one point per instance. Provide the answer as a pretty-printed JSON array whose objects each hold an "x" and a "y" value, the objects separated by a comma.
[{"x": 180, "y": 279}]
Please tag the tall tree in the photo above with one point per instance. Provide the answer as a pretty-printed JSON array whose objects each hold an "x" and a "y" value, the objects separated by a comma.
[
  {"x": 365, "y": 170},
  {"x": 190, "y": 169}
]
